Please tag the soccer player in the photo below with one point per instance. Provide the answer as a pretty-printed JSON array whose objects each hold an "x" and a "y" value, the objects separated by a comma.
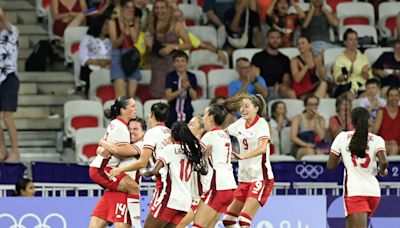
[
  {"x": 175, "y": 163},
  {"x": 219, "y": 183},
  {"x": 256, "y": 179},
  {"x": 155, "y": 140},
  {"x": 360, "y": 151},
  {"x": 120, "y": 113},
  {"x": 196, "y": 126},
  {"x": 112, "y": 207}
]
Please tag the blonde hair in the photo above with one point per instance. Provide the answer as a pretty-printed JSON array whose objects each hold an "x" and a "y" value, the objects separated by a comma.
[{"x": 152, "y": 19}]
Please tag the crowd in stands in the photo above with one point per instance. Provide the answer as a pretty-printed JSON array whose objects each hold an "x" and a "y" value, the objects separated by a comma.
[{"x": 156, "y": 35}]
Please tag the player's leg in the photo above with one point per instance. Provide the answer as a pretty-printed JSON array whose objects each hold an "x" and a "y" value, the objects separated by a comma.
[
  {"x": 96, "y": 222},
  {"x": 214, "y": 220},
  {"x": 186, "y": 220},
  {"x": 170, "y": 225},
  {"x": 128, "y": 185},
  {"x": 203, "y": 215},
  {"x": 231, "y": 216},
  {"x": 357, "y": 220},
  {"x": 152, "y": 222},
  {"x": 122, "y": 225},
  {"x": 248, "y": 212}
]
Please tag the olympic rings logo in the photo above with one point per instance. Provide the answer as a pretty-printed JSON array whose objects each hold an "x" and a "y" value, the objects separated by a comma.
[
  {"x": 309, "y": 171},
  {"x": 40, "y": 224}
]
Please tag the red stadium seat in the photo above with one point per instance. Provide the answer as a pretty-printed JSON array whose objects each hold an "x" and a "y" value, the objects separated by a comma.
[
  {"x": 105, "y": 93},
  {"x": 90, "y": 150},
  {"x": 208, "y": 68},
  {"x": 84, "y": 121},
  {"x": 221, "y": 91},
  {"x": 86, "y": 143}
]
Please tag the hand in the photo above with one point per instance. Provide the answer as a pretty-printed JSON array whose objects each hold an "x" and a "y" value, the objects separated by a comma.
[
  {"x": 237, "y": 156},
  {"x": 255, "y": 72},
  {"x": 148, "y": 40},
  {"x": 114, "y": 172},
  {"x": 102, "y": 152},
  {"x": 384, "y": 173},
  {"x": 105, "y": 63},
  {"x": 187, "y": 85},
  {"x": 365, "y": 69},
  {"x": 207, "y": 152},
  {"x": 167, "y": 50},
  {"x": 145, "y": 172},
  {"x": 222, "y": 57},
  {"x": 310, "y": 145}
]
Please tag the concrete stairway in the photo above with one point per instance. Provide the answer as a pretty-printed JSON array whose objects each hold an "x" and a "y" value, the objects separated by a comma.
[{"x": 39, "y": 118}]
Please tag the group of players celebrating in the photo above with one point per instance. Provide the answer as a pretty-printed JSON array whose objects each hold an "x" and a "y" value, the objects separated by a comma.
[{"x": 191, "y": 164}]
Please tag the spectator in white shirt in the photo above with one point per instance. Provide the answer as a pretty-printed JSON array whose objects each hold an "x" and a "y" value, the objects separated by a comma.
[
  {"x": 95, "y": 50},
  {"x": 9, "y": 85}
]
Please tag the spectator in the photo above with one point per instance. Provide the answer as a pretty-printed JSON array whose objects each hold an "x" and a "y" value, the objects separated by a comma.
[
  {"x": 274, "y": 67},
  {"x": 263, "y": 6},
  {"x": 337, "y": 123},
  {"x": 9, "y": 85},
  {"x": 387, "y": 122},
  {"x": 308, "y": 129},
  {"x": 372, "y": 101},
  {"x": 94, "y": 50},
  {"x": 316, "y": 26},
  {"x": 279, "y": 119},
  {"x": 387, "y": 67},
  {"x": 123, "y": 34},
  {"x": 180, "y": 90},
  {"x": 356, "y": 64},
  {"x": 279, "y": 18},
  {"x": 308, "y": 72},
  {"x": 67, "y": 13},
  {"x": 241, "y": 21},
  {"x": 165, "y": 33},
  {"x": 215, "y": 10},
  {"x": 24, "y": 187},
  {"x": 249, "y": 80},
  {"x": 142, "y": 6}
]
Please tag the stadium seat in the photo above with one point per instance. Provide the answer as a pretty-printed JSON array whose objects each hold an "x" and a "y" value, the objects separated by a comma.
[
  {"x": 275, "y": 141},
  {"x": 218, "y": 81},
  {"x": 206, "y": 60},
  {"x": 199, "y": 105},
  {"x": 355, "y": 13},
  {"x": 333, "y": 3},
  {"x": 293, "y": 106},
  {"x": 362, "y": 30},
  {"x": 72, "y": 38},
  {"x": 327, "y": 108},
  {"x": 356, "y": 103},
  {"x": 290, "y": 52},
  {"x": 393, "y": 158},
  {"x": 286, "y": 141},
  {"x": 330, "y": 56},
  {"x": 244, "y": 52},
  {"x": 143, "y": 86},
  {"x": 221, "y": 35},
  {"x": 42, "y": 7},
  {"x": 373, "y": 54},
  {"x": 315, "y": 158},
  {"x": 387, "y": 18},
  {"x": 205, "y": 33},
  {"x": 50, "y": 23},
  {"x": 101, "y": 88},
  {"x": 281, "y": 158},
  {"x": 82, "y": 114},
  {"x": 201, "y": 83},
  {"x": 192, "y": 13},
  {"x": 147, "y": 108},
  {"x": 86, "y": 142}
]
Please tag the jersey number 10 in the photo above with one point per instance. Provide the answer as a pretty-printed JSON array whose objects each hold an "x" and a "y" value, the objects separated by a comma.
[{"x": 186, "y": 170}]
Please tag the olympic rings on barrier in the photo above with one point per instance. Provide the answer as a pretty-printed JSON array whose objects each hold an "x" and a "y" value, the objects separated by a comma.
[{"x": 309, "y": 171}]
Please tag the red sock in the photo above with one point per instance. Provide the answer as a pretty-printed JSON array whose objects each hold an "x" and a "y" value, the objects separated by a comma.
[{"x": 245, "y": 220}]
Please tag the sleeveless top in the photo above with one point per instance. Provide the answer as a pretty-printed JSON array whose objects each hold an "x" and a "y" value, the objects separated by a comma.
[
  {"x": 59, "y": 26},
  {"x": 388, "y": 126},
  {"x": 308, "y": 83}
]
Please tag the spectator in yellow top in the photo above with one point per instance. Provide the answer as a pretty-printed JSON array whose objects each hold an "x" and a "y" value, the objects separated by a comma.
[{"x": 358, "y": 68}]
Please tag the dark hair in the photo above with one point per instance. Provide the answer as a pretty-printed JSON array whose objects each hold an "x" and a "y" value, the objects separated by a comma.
[
  {"x": 21, "y": 185},
  {"x": 348, "y": 32},
  {"x": 272, "y": 30},
  {"x": 160, "y": 111},
  {"x": 180, "y": 132},
  {"x": 373, "y": 81},
  {"x": 115, "y": 109},
  {"x": 358, "y": 143},
  {"x": 124, "y": 2},
  {"x": 339, "y": 101},
  {"x": 274, "y": 106},
  {"x": 390, "y": 89},
  {"x": 220, "y": 111},
  {"x": 309, "y": 97},
  {"x": 215, "y": 99},
  {"x": 242, "y": 59},
  {"x": 142, "y": 122},
  {"x": 96, "y": 26},
  {"x": 303, "y": 37},
  {"x": 180, "y": 54}
]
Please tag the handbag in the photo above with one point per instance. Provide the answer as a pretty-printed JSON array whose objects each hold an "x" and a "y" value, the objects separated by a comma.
[
  {"x": 130, "y": 61},
  {"x": 241, "y": 42}
]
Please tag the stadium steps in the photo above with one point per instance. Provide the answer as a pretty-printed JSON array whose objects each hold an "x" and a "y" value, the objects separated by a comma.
[{"x": 35, "y": 138}]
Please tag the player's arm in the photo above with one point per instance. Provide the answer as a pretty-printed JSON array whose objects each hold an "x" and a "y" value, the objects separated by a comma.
[
  {"x": 155, "y": 170},
  {"x": 383, "y": 163},
  {"x": 125, "y": 150},
  {"x": 333, "y": 161},
  {"x": 261, "y": 148},
  {"x": 140, "y": 163}
]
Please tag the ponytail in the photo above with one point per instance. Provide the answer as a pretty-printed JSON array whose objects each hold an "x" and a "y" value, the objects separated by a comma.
[
  {"x": 115, "y": 109},
  {"x": 262, "y": 106},
  {"x": 190, "y": 144},
  {"x": 358, "y": 143}
]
